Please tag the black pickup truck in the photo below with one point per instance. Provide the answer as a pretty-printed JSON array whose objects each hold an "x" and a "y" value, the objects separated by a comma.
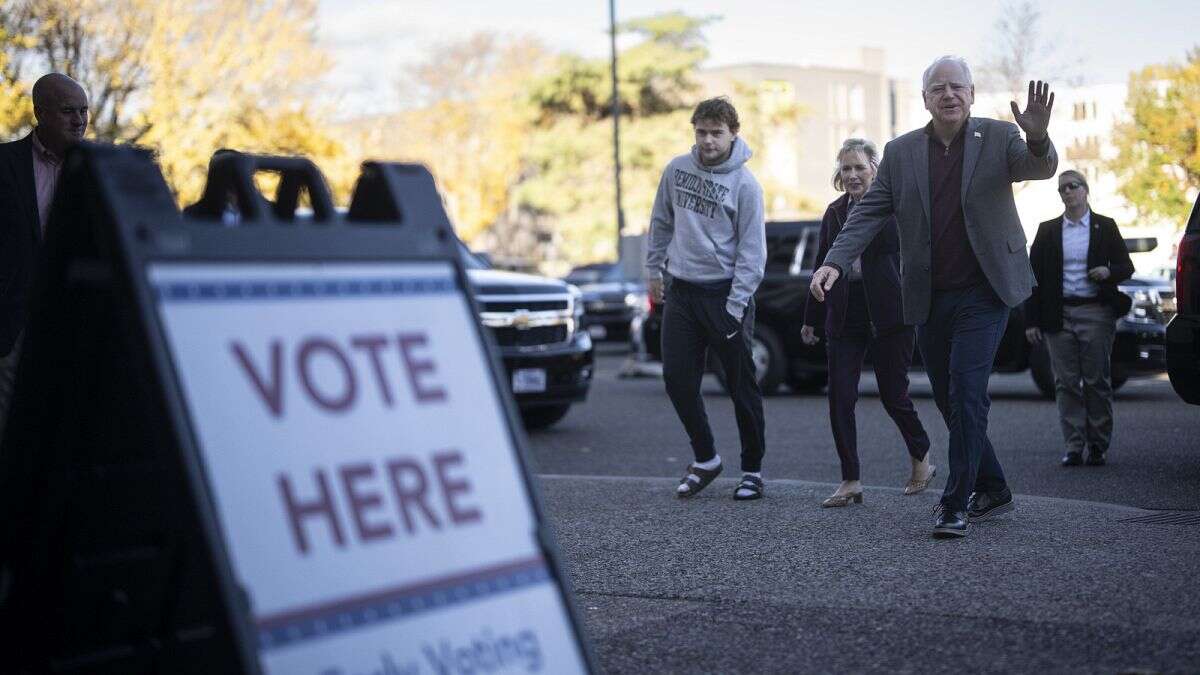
[
  {"x": 781, "y": 357},
  {"x": 535, "y": 322}
]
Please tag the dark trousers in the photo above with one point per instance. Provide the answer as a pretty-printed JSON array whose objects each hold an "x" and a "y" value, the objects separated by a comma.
[
  {"x": 891, "y": 355},
  {"x": 695, "y": 320},
  {"x": 958, "y": 345}
]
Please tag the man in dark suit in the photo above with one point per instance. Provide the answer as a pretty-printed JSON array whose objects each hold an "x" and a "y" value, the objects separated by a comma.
[
  {"x": 1078, "y": 259},
  {"x": 29, "y": 170},
  {"x": 964, "y": 263}
]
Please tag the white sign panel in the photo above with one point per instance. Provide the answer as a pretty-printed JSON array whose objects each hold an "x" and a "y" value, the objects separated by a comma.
[{"x": 362, "y": 468}]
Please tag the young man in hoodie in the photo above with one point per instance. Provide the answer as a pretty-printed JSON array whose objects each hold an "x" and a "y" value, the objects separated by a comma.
[{"x": 707, "y": 235}]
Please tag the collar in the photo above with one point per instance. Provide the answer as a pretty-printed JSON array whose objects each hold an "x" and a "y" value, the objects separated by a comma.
[
  {"x": 1085, "y": 220},
  {"x": 42, "y": 151},
  {"x": 962, "y": 132}
]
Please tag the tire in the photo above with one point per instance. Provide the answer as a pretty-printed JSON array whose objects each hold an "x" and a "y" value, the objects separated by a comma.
[
  {"x": 770, "y": 361},
  {"x": 809, "y": 384},
  {"x": 543, "y": 416},
  {"x": 1040, "y": 370},
  {"x": 1119, "y": 377}
]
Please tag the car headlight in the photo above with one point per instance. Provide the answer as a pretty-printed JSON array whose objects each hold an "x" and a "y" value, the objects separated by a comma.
[
  {"x": 635, "y": 300},
  {"x": 576, "y": 301},
  {"x": 1147, "y": 305}
]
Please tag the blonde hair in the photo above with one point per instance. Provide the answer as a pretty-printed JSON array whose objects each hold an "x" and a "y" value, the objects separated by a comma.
[{"x": 867, "y": 148}]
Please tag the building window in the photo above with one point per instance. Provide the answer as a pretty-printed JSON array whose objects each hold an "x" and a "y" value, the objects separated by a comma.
[
  {"x": 1085, "y": 110},
  {"x": 858, "y": 103},
  {"x": 848, "y": 102}
]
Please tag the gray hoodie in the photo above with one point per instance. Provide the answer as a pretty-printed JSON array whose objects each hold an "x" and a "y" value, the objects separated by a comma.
[{"x": 707, "y": 225}]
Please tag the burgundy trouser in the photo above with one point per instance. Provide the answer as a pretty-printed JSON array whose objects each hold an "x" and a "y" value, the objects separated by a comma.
[{"x": 891, "y": 356}]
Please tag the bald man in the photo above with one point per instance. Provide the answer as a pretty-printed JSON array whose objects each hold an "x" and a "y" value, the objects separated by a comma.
[{"x": 29, "y": 170}]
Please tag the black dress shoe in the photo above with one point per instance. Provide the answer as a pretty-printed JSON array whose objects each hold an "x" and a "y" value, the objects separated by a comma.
[
  {"x": 950, "y": 524},
  {"x": 1073, "y": 458},
  {"x": 984, "y": 505},
  {"x": 1096, "y": 457}
]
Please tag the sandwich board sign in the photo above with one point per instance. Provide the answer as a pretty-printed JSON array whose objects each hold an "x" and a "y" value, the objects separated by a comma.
[{"x": 350, "y": 441}]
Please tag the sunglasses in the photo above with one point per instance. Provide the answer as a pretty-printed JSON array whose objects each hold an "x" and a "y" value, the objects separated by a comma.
[{"x": 1062, "y": 189}]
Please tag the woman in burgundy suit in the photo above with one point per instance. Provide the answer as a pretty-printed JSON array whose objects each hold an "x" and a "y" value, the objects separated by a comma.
[{"x": 863, "y": 310}]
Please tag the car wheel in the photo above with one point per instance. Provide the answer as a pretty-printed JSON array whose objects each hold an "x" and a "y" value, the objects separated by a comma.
[
  {"x": 769, "y": 361},
  {"x": 543, "y": 416},
  {"x": 1040, "y": 370},
  {"x": 808, "y": 384},
  {"x": 1119, "y": 377}
]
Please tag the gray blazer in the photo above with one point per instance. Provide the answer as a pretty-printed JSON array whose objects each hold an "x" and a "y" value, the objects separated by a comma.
[{"x": 994, "y": 157}]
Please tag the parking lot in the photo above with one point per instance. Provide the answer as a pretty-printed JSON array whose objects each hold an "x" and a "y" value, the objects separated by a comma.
[{"x": 1085, "y": 576}]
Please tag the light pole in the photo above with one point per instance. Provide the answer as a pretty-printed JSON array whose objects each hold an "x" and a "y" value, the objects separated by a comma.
[{"x": 616, "y": 117}]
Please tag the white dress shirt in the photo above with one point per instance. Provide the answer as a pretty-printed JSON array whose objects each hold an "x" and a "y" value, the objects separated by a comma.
[{"x": 1076, "y": 235}]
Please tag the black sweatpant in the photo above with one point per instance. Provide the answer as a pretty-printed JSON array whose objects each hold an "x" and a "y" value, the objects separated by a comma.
[{"x": 695, "y": 320}]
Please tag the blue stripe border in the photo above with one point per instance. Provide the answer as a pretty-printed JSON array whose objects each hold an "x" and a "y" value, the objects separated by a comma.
[
  {"x": 299, "y": 289},
  {"x": 388, "y": 608}
]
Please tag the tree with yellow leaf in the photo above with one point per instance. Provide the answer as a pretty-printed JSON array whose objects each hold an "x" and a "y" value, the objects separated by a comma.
[
  {"x": 467, "y": 117},
  {"x": 1158, "y": 157},
  {"x": 185, "y": 77}
]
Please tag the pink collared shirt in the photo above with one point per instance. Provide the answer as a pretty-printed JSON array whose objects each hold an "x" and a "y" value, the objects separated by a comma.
[{"x": 46, "y": 167}]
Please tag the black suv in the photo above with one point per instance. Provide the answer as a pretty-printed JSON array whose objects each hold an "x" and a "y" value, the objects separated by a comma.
[
  {"x": 780, "y": 356},
  {"x": 535, "y": 320},
  {"x": 609, "y": 300},
  {"x": 1183, "y": 333}
]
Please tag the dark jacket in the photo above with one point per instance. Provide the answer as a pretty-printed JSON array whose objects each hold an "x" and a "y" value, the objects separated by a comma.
[
  {"x": 881, "y": 278},
  {"x": 1106, "y": 248},
  {"x": 20, "y": 234}
]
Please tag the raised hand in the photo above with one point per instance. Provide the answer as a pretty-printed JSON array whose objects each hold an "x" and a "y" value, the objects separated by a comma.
[{"x": 1035, "y": 120}]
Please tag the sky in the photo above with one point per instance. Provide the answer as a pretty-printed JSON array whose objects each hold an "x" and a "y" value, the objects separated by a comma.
[{"x": 371, "y": 40}]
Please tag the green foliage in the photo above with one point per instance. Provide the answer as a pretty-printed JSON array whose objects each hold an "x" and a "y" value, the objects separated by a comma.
[
  {"x": 654, "y": 76},
  {"x": 569, "y": 160},
  {"x": 1158, "y": 157}
]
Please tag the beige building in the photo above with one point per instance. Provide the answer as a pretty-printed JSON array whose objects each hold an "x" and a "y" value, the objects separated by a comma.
[{"x": 830, "y": 105}]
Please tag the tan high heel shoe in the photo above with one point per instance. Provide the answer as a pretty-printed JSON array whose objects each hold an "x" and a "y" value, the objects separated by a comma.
[
  {"x": 914, "y": 486},
  {"x": 834, "y": 501}
]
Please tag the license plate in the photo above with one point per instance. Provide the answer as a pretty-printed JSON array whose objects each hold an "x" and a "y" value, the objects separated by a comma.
[
  {"x": 597, "y": 332},
  {"x": 528, "y": 380}
]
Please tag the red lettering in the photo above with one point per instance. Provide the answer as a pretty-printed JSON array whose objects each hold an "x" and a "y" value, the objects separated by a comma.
[
  {"x": 451, "y": 487},
  {"x": 360, "y": 502},
  {"x": 271, "y": 391},
  {"x": 297, "y": 512},
  {"x": 412, "y": 495},
  {"x": 303, "y": 361},
  {"x": 372, "y": 344},
  {"x": 417, "y": 368}
]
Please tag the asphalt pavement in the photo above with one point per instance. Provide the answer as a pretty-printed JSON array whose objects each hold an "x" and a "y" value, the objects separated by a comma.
[{"x": 1075, "y": 580}]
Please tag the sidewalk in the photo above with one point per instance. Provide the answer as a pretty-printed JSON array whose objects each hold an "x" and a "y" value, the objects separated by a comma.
[{"x": 781, "y": 585}]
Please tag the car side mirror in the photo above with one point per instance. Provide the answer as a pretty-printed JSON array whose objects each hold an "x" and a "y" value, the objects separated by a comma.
[{"x": 1141, "y": 244}]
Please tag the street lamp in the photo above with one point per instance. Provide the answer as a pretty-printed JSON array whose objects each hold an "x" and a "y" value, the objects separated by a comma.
[{"x": 616, "y": 117}]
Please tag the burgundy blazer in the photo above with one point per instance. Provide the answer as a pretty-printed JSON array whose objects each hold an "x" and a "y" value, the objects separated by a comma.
[{"x": 881, "y": 277}]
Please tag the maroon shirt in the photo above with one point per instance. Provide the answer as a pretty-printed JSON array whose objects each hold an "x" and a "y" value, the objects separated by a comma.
[{"x": 954, "y": 263}]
